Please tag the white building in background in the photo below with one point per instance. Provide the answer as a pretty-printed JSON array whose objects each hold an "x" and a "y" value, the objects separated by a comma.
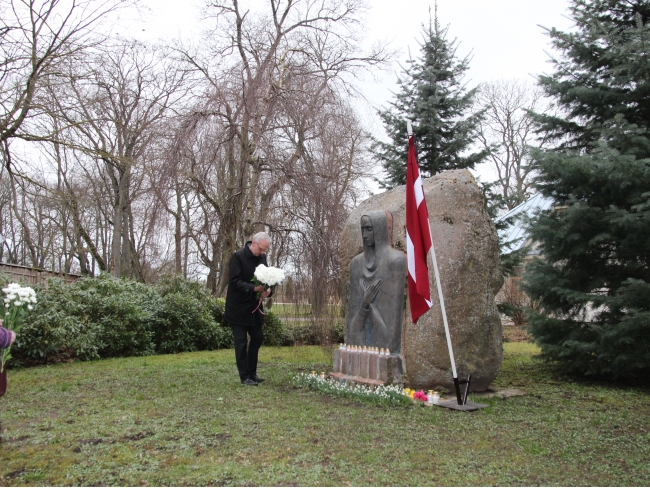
[{"x": 515, "y": 236}]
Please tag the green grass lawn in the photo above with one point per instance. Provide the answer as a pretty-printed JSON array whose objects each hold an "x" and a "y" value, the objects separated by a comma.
[{"x": 185, "y": 420}]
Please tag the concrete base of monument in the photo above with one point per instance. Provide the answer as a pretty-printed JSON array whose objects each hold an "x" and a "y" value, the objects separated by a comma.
[
  {"x": 468, "y": 407},
  {"x": 452, "y": 402},
  {"x": 368, "y": 369},
  {"x": 344, "y": 378}
]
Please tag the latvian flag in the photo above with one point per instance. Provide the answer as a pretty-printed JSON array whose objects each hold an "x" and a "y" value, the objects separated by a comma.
[{"x": 418, "y": 237}]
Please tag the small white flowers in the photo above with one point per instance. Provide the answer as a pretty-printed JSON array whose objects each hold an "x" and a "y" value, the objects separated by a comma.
[
  {"x": 19, "y": 295},
  {"x": 386, "y": 394},
  {"x": 269, "y": 275}
]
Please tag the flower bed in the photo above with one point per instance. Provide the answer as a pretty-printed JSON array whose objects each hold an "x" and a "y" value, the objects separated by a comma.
[{"x": 380, "y": 395}]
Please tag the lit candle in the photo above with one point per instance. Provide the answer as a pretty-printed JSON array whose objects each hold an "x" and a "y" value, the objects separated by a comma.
[{"x": 322, "y": 375}]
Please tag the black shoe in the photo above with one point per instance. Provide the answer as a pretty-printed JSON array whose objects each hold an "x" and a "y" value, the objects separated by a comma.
[
  {"x": 249, "y": 382},
  {"x": 257, "y": 379}
]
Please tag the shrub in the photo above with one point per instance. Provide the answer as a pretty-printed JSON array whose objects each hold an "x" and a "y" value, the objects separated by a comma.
[
  {"x": 187, "y": 324},
  {"x": 88, "y": 319},
  {"x": 513, "y": 302},
  {"x": 275, "y": 333},
  {"x": 218, "y": 310},
  {"x": 107, "y": 317},
  {"x": 57, "y": 328},
  {"x": 124, "y": 311},
  {"x": 190, "y": 318}
]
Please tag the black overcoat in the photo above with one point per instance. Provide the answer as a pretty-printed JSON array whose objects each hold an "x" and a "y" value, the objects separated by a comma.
[{"x": 241, "y": 300}]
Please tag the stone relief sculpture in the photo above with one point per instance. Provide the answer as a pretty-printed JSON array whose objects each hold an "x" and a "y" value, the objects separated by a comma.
[{"x": 377, "y": 278}]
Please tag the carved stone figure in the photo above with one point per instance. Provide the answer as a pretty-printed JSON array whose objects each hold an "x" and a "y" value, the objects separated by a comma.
[{"x": 377, "y": 278}]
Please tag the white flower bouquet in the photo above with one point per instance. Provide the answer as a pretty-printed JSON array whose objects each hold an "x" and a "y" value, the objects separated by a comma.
[
  {"x": 19, "y": 302},
  {"x": 268, "y": 276}
]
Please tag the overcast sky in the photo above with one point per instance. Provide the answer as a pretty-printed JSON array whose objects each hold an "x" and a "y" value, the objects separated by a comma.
[{"x": 504, "y": 37}]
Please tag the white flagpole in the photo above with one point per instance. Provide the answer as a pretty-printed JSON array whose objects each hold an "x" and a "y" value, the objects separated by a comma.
[
  {"x": 409, "y": 130},
  {"x": 442, "y": 305}
]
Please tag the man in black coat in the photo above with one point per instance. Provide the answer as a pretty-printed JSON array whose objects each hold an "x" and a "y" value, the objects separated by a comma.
[{"x": 244, "y": 312}]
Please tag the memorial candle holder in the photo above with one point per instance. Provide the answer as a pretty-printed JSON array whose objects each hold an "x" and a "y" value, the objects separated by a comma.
[{"x": 433, "y": 397}]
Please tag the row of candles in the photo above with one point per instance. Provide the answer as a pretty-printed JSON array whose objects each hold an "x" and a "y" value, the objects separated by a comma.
[{"x": 368, "y": 349}]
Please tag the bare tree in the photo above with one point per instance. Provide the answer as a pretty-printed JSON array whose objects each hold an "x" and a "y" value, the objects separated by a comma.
[
  {"x": 35, "y": 37},
  {"x": 265, "y": 59},
  {"x": 135, "y": 175},
  {"x": 507, "y": 132},
  {"x": 113, "y": 108}
]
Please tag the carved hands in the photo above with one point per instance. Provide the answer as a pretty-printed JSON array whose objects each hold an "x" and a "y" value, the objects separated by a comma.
[{"x": 369, "y": 295}]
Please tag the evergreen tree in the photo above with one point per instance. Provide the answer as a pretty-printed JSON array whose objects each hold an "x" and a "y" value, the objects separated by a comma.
[
  {"x": 432, "y": 95},
  {"x": 593, "y": 282}
]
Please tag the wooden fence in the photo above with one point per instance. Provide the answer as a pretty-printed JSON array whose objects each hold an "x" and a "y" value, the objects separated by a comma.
[{"x": 33, "y": 276}]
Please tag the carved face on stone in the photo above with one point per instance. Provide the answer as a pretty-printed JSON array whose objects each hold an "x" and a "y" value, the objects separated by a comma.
[{"x": 367, "y": 231}]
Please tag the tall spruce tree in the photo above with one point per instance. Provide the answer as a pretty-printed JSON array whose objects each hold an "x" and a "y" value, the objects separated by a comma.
[
  {"x": 432, "y": 95},
  {"x": 593, "y": 282}
]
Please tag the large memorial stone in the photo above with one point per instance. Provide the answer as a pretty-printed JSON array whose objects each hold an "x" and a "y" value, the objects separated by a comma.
[{"x": 467, "y": 250}]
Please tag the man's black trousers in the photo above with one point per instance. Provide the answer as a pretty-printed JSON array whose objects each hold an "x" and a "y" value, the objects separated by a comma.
[{"x": 247, "y": 356}]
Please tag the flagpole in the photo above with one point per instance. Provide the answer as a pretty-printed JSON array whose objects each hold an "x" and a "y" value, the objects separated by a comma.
[
  {"x": 460, "y": 399},
  {"x": 442, "y": 306}
]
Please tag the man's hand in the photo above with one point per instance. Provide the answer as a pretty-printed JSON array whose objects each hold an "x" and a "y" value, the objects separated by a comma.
[
  {"x": 13, "y": 337},
  {"x": 260, "y": 289}
]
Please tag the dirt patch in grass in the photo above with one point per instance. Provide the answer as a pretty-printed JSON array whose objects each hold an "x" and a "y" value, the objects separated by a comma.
[
  {"x": 15, "y": 474},
  {"x": 10, "y": 440},
  {"x": 136, "y": 437}
]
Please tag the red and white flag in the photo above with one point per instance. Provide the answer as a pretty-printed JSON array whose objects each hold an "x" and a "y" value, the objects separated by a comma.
[{"x": 418, "y": 237}]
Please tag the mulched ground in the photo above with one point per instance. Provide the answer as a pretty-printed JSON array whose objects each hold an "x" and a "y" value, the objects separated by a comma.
[{"x": 512, "y": 333}]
